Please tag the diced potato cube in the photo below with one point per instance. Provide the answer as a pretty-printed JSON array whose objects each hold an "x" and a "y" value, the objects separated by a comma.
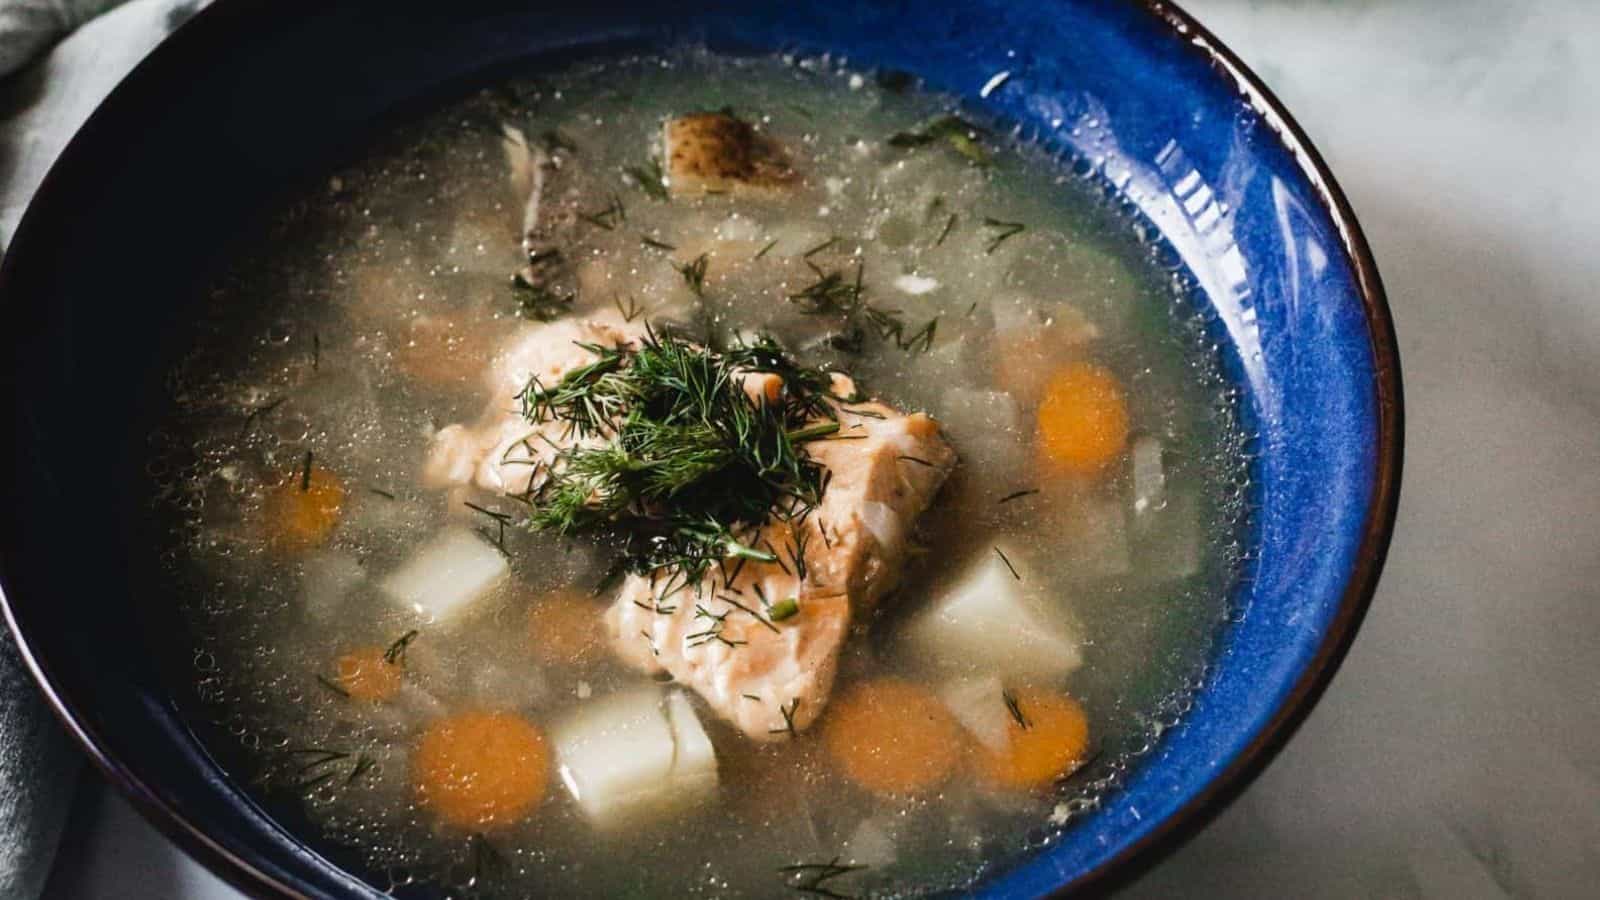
[
  {"x": 989, "y": 619},
  {"x": 447, "y": 575},
  {"x": 635, "y": 755},
  {"x": 979, "y": 705}
]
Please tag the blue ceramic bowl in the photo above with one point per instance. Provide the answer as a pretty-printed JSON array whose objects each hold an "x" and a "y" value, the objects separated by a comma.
[{"x": 255, "y": 95}]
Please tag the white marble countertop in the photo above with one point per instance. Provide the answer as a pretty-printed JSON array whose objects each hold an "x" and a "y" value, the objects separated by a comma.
[{"x": 1457, "y": 754}]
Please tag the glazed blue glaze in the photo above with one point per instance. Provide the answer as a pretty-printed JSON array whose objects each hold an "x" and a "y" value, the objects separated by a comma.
[{"x": 254, "y": 98}]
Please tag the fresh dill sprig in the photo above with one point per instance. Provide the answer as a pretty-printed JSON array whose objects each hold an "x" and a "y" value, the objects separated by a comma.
[
  {"x": 537, "y": 301},
  {"x": 960, "y": 135},
  {"x": 766, "y": 249},
  {"x": 787, "y": 711},
  {"x": 387, "y": 495},
  {"x": 631, "y": 310},
  {"x": 609, "y": 217},
  {"x": 694, "y": 273},
  {"x": 650, "y": 179},
  {"x": 835, "y": 294},
  {"x": 331, "y": 686},
  {"x": 396, "y": 654},
  {"x": 1015, "y": 708},
  {"x": 813, "y": 878},
  {"x": 1018, "y": 495},
  {"x": 691, "y": 465},
  {"x": 949, "y": 224},
  {"x": 1003, "y": 231},
  {"x": 1003, "y": 558},
  {"x": 654, "y": 244}
]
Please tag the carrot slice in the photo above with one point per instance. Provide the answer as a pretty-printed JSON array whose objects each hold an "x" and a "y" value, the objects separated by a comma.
[
  {"x": 564, "y": 629},
  {"x": 1047, "y": 737},
  {"x": 481, "y": 769},
  {"x": 892, "y": 737},
  {"x": 1083, "y": 419},
  {"x": 366, "y": 674},
  {"x": 303, "y": 509}
]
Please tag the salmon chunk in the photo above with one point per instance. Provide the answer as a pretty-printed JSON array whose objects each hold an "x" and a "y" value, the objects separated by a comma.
[
  {"x": 760, "y": 641},
  {"x": 716, "y": 152}
]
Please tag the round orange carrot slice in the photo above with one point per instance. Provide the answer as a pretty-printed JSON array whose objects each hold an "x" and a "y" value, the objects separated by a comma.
[
  {"x": 481, "y": 769},
  {"x": 366, "y": 674},
  {"x": 892, "y": 737},
  {"x": 303, "y": 509},
  {"x": 1083, "y": 419}
]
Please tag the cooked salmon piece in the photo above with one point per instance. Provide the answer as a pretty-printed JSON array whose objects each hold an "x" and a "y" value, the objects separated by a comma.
[
  {"x": 715, "y": 152},
  {"x": 761, "y": 641}
]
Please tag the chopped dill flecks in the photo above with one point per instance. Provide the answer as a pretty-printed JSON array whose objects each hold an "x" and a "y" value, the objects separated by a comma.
[
  {"x": 1015, "y": 709},
  {"x": 537, "y": 301},
  {"x": 813, "y": 878},
  {"x": 918, "y": 460},
  {"x": 631, "y": 310},
  {"x": 396, "y": 654},
  {"x": 830, "y": 294},
  {"x": 1018, "y": 495},
  {"x": 364, "y": 763},
  {"x": 788, "y": 719},
  {"x": 1002, "y": 554},
  {"x": 944, "y": 232},
  {"x": 650, "y": 179},
  {"x": 694, "y": 273},
  {"x": 651, "y": 242},
  {"x": 258, "y": 412},
  {"x": 500, "y": 519},
  {"x": 316, "y": 351},
  {"x": 305, "y": 474},
  {"x": 764, "y": 250},
  {"x": 751, "y": 697},
  {"x": 755, "y": 615},
  {"x": 381, "y": 493},
  {"x": 1004, "y": 231},
  {"x": 785, "y": 609},
  {"x": 333, "y": 687},
  {"x": 609, "y": 217},
  {"x": 972, "y": 309},
  {"x": 962, "y": 136},
  {"x": 820, "y": 247}
]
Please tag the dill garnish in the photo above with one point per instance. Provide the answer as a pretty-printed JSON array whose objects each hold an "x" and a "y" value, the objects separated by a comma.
[
  {"x": 305, "y": 474},
  {"x": 1002, "y": 554},
  {"x": 381, "y": 493},
  {"x": 788, "y": 718},
  {"x": 311, "y": 767},
  {"x": 763, "y": 251},
  {"x": 258, "y": 412},
  {"x": 363, "y": 764},
  {"x": 1003, "y": 232},
  {"x": 650, "y": 179},
  {"x": 751, "y": 697},
  {"x": 1015, "y": 709},
  {"x": 1018, "y": 495},
  {"x": 691, "y": 465},
  {"x": 396, "y": 654},
  {"x": 833, "y": 294},
  {"x": 500, "y": 519},
  {"x": 694, "y": 273},
  {"x": 316, "y": 351},
  {"x": 962, "y": 136},
  {"x": 333, "y": 687},
  {"x": 918, "y": 460},
  {"x": 630, "y": 311},
  {"x": 949, "y": 224},
  {"x": 651, "y": 242},
  {"x": 812, "y": 878},
  {"x": 820, "y": 247},
  {"x": 755, "y": 615},
  {"x": 537, "y": 301},
  {"x": 785, "y": 609},
  {"x": 608, "y": 218}
]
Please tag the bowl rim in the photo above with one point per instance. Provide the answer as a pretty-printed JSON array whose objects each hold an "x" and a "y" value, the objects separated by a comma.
[{"x": 1219, "y": 792}]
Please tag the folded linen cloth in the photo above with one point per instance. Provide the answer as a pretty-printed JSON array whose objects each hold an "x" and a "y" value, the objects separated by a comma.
[
  {"x": 41, "y": 106},
  {"x": 27, "y": 27}
]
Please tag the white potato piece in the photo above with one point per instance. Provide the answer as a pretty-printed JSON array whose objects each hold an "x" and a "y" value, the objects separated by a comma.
[
  {"x": 447, "y": 575},
  {"x": 635, "y": 755},
  {"x": 979, "y": 705},
  {"x": 988, "y": 618}
]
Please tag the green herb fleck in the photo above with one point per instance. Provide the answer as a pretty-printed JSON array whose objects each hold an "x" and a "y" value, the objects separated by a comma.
[
  {"x": 694, "y": 273},
  {"x": 1001, "y": 553},
  {"x": 960, "y": 135},
  {"x": 650, "y": 179},
  {"x": 785, "y": 609},
  {"x": 1003, "y": 231},
  {"x": 396, "y": 654},
  {"x": 1015, "y": 709},
  {"x": 537, "y": 301}
]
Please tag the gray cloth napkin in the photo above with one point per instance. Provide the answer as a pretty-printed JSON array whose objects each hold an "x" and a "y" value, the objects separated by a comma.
[
  {"x": 47, "y": 89},
  {"x": 29, "y": 26}
]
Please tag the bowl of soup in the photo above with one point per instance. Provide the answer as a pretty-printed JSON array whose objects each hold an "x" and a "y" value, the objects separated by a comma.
[{"x": 847, "y": 450}]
